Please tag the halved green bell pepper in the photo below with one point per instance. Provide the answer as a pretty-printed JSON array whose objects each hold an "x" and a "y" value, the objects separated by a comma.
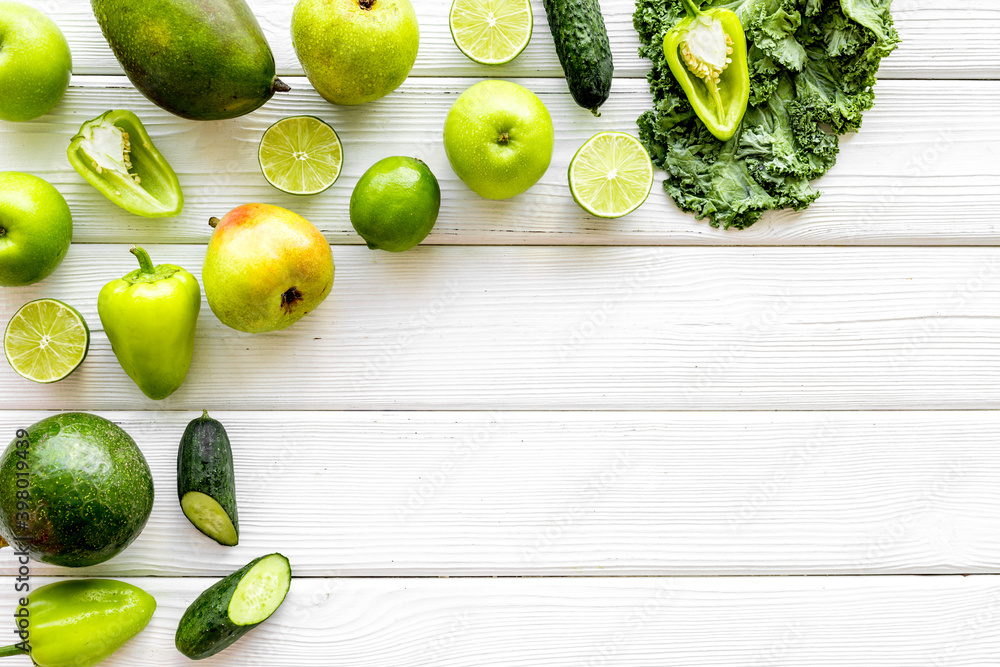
[
  {"x": 707, "y": 53},
  {"x": 150, "y": 316},
  {"x": 79, "y": 623},
  {"x": 114, "y": 153}
]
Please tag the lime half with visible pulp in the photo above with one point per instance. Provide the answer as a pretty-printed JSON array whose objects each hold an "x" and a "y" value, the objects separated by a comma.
[
  {"x": 491, "y": 32},
  {"x": 46, "y": 340},
  {"x": 300, "y": 155},
  {"x": 611, "y": 175}
]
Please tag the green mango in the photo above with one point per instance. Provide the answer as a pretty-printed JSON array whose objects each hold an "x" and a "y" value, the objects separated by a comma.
[{"x": 198, "y": 59}]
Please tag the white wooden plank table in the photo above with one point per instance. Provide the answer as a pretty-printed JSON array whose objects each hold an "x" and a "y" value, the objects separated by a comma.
[{"x": 544, "y": 439}]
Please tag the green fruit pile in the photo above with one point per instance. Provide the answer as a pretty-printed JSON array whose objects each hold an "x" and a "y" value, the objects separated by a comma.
[{"x": 75, "y": 489}]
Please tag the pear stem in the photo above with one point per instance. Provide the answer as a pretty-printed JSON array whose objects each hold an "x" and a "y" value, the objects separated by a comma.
[
  {"x": 145, "y": 263},
  {"x": 213, "y": 222}
]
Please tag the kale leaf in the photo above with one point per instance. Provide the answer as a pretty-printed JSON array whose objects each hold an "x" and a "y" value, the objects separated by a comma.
[{"x": 812, "y": 72}]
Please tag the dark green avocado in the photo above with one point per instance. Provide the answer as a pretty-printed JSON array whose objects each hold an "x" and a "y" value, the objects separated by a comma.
[
  {"x": 88, "y": 486},
  {"x": 198, "y": 59}
]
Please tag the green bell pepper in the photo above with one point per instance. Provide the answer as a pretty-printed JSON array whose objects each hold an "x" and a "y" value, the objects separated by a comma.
[
  {"x": 79, "y": 623},
  {"x": 707, "y": 53},
  {"x": 114, "y": 153},
  {"x": 149, "y": 316}
]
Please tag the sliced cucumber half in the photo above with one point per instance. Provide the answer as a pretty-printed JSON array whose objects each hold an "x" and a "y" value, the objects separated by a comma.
[
  {"x": 209, "y": 517},
  {"x": 234, "y": 606},
  {"x": 261, "y": 591}
]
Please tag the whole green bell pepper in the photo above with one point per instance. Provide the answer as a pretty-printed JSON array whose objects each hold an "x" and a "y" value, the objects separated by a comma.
[
  {"x": 79, "y": 623},
  {"x": 114, "y": 153},
  {"x": 707, "y": 53},
  {"x": 150, "y": 316}
]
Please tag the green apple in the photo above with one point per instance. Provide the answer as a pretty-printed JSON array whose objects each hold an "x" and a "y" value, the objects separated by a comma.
[
  {"x": 499, "y": 138},
  {"x": 355, "y": 51},
  {"x": 36, "y": 229},
  {"x": 265, "y": 268},
  {"x": 35, "y": 63}
]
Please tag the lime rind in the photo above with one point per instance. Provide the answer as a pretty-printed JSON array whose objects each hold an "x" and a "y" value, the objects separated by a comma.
[
  {"x": 611, "y": 175},
  {"x": 491, "y": 32},
  {"x": 300, "y": 155},
  {"x": 46, "y": 340}
]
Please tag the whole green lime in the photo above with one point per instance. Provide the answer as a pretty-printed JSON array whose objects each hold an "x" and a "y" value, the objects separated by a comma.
[{"x": 395, "y": 204}]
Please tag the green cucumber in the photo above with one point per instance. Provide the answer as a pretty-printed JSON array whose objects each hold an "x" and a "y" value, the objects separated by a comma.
[
  {"x": 584, "y": 50},
  {"x": 233, "y": 607},
  {"x": 206, "y": 482}
]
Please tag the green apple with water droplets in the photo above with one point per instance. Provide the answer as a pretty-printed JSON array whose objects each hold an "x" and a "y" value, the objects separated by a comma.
[
  {"x": 499, "y": 138},
  {"x": 36, "y": 229},
  {"x": 35, "y": 63}
]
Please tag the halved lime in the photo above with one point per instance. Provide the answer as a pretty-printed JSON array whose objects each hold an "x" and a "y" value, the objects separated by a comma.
[
  {"x": 300, "y": 155},
  {"x": 611, "y": 175},
  {"x": 46, "y": 340},
  {"x": 491, "y": 32}
]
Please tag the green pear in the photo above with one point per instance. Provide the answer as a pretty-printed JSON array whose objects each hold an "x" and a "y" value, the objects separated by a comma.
[
  {"x": 265, "y": 268},
  {"x": 355, "y": 51}
]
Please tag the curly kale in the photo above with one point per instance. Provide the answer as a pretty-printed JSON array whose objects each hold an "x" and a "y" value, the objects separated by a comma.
[{"x": 812, "y": 71}]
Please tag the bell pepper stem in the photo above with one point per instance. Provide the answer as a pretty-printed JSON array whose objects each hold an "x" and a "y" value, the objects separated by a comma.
[
  {"x": 692, "y": 8},
  {"x": 145, "y": 263},
  {"x": 13, "y": 649}
]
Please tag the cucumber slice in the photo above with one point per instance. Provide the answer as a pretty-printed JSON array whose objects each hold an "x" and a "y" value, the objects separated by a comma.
[
  {"x": 209, "y": 517},
  {"x": 233, "y": 606},
  {"x": 260, "y": 591}
]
